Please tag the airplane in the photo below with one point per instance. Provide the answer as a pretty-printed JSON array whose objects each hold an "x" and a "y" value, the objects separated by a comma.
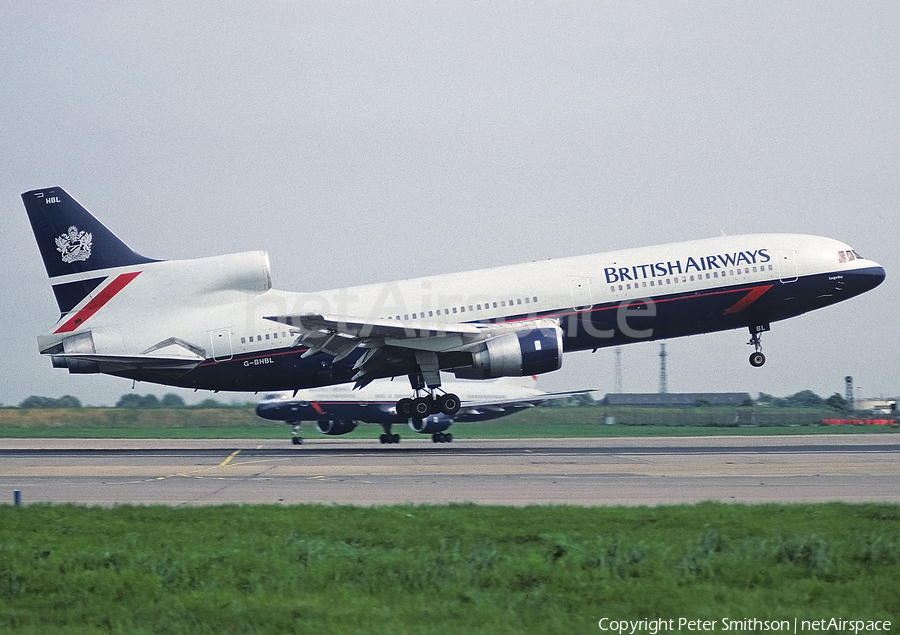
[
  {"x": 339, "y": 409},
  {"x": 216, "y": 323}
]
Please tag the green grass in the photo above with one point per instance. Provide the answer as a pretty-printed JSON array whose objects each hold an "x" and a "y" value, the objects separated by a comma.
[
  {"x": 242, "y": 423},
  {"x": 439, "y": 569}
]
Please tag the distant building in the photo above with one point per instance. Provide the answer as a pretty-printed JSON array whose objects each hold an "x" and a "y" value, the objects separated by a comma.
[
  {"x": 881, "y": 406},
  {"x": 676, "y": 399}
]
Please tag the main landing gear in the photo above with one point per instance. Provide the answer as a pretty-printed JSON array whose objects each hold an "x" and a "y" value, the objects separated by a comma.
[
  {"x": 757, "y": 358},
  {"x": 296, "y": 439},
  {"x": 428, "y": 374},
  {"x": 389, "y": 438},
  {"x": 430, "y": 404}
]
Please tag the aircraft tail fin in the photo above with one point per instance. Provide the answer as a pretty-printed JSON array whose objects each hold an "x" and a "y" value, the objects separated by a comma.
[{"x": 75, "y": 246}]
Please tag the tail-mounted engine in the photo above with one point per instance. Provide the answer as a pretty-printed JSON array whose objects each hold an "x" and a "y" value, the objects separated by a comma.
[
  {"x": 517, "y": 354},
  {"x": 80, "y": 343}
]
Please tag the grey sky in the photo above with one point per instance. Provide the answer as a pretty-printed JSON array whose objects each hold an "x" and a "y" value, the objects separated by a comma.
[{"x": 362, "y": 142}]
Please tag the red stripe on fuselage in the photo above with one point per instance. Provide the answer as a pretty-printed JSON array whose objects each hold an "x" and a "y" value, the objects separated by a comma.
[
  {"x": 97, "y": 302},
  {"x": 747, "y": 300}
]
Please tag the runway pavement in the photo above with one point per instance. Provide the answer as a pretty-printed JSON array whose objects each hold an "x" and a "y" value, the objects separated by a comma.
[{"x": 621, "y": 471}]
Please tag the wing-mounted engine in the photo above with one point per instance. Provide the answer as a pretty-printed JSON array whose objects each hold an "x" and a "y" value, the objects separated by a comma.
[
  {"x": 531, "y": 351},
  {"x": 335, "y": 428},
  {"x": 431, "y": 424}
]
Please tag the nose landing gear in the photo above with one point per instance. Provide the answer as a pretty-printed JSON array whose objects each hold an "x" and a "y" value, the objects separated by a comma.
[{"x": 757, "y": 358}]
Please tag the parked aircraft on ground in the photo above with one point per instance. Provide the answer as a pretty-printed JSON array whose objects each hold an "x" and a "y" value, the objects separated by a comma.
[
  {"x": 338, "y": 409},
  {"x": 217, "y": 324}
]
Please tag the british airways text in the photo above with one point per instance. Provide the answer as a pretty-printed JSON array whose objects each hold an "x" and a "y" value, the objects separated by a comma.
[{"x": 669, "y": 268}]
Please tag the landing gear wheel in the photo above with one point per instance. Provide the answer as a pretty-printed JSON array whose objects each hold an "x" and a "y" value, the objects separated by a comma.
[
  {"x": 449, "y": 404},
  {"x": 395, "y": 438},
  {"x": 757, "y": 359},
  {"x": 421, "y": 407},
  {"x": 441, "y": 437},
  {"x": 405, "y": 407},
  {"x": 297, "y": 440},
  {"x": 383, "y": 438}
]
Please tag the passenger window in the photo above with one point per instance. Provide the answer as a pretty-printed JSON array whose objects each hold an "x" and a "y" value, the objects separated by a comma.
[
  {"x": 534, "y": 299},
  {"x": 495, "y": 305},
  {"x": 519, "y": 301},
  {"x": 267, "y": 336},
  {"x": 454, "y": 309},
  {"x": 692, "y": 278},
  {"x": 243, "y": 340},
  {"x": 503, "y": 303}
]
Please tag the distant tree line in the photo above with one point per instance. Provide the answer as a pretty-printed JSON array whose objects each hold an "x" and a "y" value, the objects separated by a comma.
[
  {"x": 802, "y": 399},
  {"x": 805, "y": 399},
  {"x": 131, "y": 400},
  {"x": 66, "y": 401}
]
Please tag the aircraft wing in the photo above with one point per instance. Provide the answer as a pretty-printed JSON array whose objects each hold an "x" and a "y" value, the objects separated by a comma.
[
  {"x": 529, "y": 401},
  {"x": 340, "y": 335}
]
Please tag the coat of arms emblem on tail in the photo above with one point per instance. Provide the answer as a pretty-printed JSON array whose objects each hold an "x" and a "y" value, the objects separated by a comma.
[{"x": 74, "y": 245}]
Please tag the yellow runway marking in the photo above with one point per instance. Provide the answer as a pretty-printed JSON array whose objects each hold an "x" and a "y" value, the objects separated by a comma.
[{"x": 228, "y": 460}]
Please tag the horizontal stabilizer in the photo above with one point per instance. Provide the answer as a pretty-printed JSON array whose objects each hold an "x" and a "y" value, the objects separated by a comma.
[{"x": 120, "y": 363}]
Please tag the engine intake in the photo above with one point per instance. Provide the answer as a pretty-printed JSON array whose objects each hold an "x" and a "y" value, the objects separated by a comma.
[
  {"x": 431, "y": 424},
  {"x": 517, "y": 354},
  {"x": 335, "y": 428}
]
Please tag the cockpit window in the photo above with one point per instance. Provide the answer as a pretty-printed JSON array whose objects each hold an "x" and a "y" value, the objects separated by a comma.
[{"x": 847, "y": 256}]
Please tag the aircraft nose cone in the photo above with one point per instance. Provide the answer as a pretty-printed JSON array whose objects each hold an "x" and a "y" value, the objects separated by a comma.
[{"x": 878, "y": 275}]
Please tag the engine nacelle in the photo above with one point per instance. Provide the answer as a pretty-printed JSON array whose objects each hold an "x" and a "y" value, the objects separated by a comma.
[
  {"x": 334, "y": 428},
  {"x": 431, "y": 424},
  {"x": 517, "y": 354}
]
